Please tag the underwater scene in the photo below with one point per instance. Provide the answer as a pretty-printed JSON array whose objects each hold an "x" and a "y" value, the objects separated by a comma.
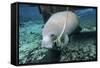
[{"x": 81, "y": 47}]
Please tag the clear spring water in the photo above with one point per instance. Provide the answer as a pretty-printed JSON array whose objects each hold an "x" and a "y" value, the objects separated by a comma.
[{"x": 30, "y": 30}]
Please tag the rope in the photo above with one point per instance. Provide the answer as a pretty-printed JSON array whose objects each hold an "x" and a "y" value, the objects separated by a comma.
[{"x": 58, "y": 38}]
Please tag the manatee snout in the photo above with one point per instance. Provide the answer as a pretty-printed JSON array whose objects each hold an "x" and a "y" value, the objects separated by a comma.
[{"x": 47, "y": 42}]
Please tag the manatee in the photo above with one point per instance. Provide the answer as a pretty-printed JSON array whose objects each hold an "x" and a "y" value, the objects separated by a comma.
[{"x": 59, "y": 25}]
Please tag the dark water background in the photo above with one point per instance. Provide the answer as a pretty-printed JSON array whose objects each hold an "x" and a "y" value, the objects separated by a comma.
[{"x": 30, "y": 36}]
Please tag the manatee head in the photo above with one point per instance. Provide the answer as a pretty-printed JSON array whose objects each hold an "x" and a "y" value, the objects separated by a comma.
[{"x": 47, "y": 41}]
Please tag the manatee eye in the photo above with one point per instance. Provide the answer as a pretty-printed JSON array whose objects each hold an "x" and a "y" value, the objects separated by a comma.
[{"x": 53, "y": 36}]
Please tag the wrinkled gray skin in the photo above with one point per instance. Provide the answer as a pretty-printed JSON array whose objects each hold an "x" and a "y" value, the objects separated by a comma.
[{"x": 54, "y": 26}]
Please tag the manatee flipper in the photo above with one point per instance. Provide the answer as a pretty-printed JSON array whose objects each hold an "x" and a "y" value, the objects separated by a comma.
[
  {"x": 66, "y": 40},
  {"x": 62, "y": 42},
  {"x": 59, "y": 43}
]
